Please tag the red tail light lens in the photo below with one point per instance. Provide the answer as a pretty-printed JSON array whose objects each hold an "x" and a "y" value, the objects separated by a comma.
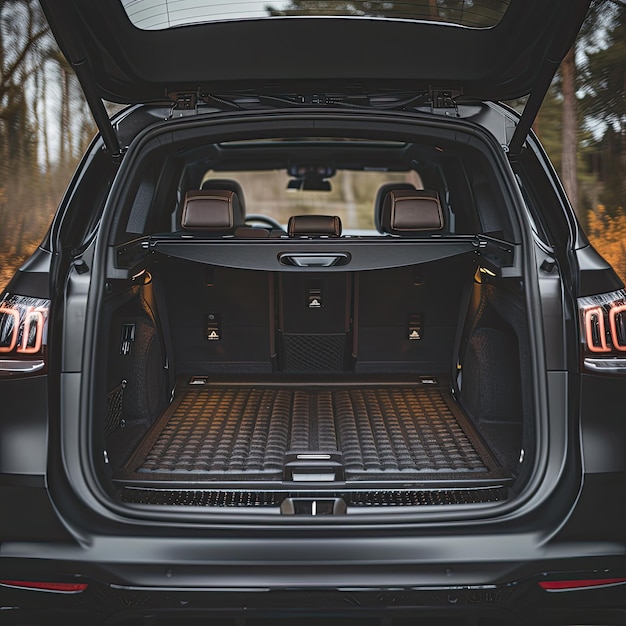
[
  {"x": 23, "y": 334},
  {"x": 574, "y": 585},
  {"x": 45, "y": 586},
  {"x": 603, "y": 332}
]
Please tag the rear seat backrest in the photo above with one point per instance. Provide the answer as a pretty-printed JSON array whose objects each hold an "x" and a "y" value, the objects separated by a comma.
[{"x": 406, "y": 213}]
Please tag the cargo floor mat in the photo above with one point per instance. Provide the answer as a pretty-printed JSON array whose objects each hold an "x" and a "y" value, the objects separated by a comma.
[{"x": 244, "y": 432}]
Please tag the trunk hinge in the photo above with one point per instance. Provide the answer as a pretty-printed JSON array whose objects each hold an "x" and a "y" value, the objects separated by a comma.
[
  {"x": 443, "y": 101},
  {"x": 183, "y": 101}
]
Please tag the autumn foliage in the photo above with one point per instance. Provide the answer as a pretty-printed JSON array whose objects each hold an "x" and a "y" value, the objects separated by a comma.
[{"x": 607, "y": 233}]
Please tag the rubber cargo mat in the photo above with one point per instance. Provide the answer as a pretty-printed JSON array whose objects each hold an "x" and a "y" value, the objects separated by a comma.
[{"x": 386, "y": 432}]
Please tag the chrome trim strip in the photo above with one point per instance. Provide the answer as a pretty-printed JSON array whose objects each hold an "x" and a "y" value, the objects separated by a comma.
[
  {"x": 21, "y": 367},
  {"x": 607, "y": 365}
]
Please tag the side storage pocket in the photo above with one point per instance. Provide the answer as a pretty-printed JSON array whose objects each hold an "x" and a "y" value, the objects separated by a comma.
[
  {"x": 114, "y": 417},
  {"x": 137, "y": 378}
]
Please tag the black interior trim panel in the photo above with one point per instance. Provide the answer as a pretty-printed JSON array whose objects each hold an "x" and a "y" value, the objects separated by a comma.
[{"x": 269, "y": 254}]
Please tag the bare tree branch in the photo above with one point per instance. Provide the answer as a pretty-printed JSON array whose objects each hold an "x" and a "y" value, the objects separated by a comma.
[{"x": 7, "y": 75}]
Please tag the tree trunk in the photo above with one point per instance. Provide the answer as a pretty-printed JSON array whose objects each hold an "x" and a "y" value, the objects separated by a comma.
[
  {"x": 45, "y": 140},
  {"x": 65, "y": 148},
  {"x": 570, "y": 138}
]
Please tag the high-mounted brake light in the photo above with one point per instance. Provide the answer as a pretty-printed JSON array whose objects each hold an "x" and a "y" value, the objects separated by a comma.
[
  {"x": 603, "y": 332},
  {"x": 23, "y": 334}
]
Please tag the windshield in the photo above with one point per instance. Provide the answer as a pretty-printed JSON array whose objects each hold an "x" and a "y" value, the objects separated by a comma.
[{"x": 272, "y": 193}]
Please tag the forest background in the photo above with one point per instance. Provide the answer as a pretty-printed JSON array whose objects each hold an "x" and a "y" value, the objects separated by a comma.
[{"x": 45, "y": 125}]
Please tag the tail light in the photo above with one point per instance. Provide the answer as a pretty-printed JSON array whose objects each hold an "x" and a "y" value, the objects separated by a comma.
[
  {"x": 603, "y": 332},
  {"x": 577, "y": 585},
  {"x": 53, "y": 587},
  {"x": 23, "y": 334}
]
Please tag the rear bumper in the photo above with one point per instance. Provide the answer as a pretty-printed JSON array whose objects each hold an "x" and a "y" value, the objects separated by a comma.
[
  {"x": 143, "y": 593},
  {"x": 308, "y": 575}
]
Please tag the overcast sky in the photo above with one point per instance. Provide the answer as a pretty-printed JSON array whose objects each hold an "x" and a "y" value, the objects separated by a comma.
[{"x": 157, "y": 14}]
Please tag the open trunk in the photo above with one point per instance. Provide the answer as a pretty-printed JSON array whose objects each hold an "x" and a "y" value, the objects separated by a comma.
[
  {"x": 317, "y": 392},
  {"x": 362, "y": 348}
]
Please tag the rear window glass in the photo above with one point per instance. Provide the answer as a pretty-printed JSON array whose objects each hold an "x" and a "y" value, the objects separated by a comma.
[{"x": 163, "y": 14}]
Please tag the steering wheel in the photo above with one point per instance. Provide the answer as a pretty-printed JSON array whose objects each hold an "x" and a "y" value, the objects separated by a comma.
[{"x": 263, "y": 219}]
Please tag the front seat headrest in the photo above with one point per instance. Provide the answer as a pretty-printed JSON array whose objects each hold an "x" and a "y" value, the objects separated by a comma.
[
  {"x": 314, "y": 226},
  {"x": 229, "y": 185},
  {"x": 383, "y": 190},
  {"x": 407, "y": 212},
  {"x": 211, "y": 210}
]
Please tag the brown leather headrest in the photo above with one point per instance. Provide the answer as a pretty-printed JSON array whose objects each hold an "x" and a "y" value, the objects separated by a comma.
[
  {"x": 314, "y": 226},
  {"x": 407, "y": 212},
  {"x": 212, "y": 210},
  {"x": 381, "y": 194},
  {"x": 228, "y": 184}
]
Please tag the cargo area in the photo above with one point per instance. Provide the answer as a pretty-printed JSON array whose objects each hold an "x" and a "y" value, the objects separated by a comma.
[
  {"x": 275, "y": 399},
  {"x": 312, "y": 432}
]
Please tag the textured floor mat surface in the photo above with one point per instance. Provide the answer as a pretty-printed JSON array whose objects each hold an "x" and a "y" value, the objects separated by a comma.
[{"x": 228, "y": 432}]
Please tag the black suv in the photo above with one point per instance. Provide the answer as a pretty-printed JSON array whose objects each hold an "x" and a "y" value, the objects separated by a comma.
[{"x": 314, "y": 334}]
